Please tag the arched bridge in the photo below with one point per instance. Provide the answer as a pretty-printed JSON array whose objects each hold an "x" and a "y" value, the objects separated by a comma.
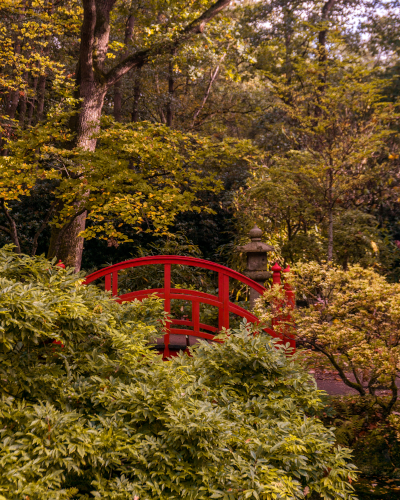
[{"x": 181, "y": 333}]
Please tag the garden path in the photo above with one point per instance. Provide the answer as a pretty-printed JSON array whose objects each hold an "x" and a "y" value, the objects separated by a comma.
[{"x": 330, "y": 382}]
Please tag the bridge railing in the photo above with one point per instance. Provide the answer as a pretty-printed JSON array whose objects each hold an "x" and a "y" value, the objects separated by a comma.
[{"x": 194, "y": 328}]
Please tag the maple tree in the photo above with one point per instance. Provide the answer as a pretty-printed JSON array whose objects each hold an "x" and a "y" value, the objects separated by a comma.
[
  {"x": 62, "y": 145},
  {"x": 350, "y": 320},
  {"x": 331, "y": 146},
  {"x": 155, "y": 175}
]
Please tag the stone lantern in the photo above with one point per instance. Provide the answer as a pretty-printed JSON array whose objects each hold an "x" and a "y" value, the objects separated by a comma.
[{"x": 257, "y": 263}]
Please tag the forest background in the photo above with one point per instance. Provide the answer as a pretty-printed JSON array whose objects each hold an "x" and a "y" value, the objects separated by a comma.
[{"x": 127, "y": 121}]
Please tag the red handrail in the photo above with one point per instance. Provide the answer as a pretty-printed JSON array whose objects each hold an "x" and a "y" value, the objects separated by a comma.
[{"x": 174, "y": 259}]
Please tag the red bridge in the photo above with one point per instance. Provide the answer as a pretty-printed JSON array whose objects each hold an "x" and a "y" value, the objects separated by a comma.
[{"x": 190, "y": 331}]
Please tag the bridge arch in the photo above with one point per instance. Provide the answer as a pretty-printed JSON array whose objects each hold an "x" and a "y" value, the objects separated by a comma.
[{"x": 190, "y": 329}]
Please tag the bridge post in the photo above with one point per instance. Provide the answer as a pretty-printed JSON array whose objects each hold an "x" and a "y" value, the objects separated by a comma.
[{"x": 257, "y": 262}]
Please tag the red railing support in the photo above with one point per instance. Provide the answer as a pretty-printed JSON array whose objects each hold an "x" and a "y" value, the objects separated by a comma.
[
  {"x": 276, "y": 305},
  {"x": 223, "y": 294},
  {"x": 167, "y": 307},
  {"x": 276, "y": 274}
]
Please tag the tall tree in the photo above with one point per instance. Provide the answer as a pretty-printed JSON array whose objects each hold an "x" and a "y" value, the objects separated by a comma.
[{"x": 93, "y": 80}]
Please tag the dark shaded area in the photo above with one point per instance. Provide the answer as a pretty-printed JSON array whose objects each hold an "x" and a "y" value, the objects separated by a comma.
[
  {"x": 206, "y": 231},
  {"x": 359, "y": 425},
  {"x": 209, "y": 230}
]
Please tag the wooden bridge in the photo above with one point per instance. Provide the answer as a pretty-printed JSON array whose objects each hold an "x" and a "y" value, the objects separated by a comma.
[{"x": 182, "y": 333}]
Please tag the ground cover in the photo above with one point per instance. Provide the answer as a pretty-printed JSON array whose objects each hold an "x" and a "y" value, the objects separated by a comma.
[{"x": 358, "y": 424}]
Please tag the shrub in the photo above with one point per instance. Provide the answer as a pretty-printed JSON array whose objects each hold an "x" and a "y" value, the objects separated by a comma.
[
  {"x": 101, "y": 416},
  {"x": 350, "y": 319}
]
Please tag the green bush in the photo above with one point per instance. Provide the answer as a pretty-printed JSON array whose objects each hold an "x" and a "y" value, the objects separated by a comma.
[
  {"x": 358, "y": 423},
  {"x": 101, "y": 416}
]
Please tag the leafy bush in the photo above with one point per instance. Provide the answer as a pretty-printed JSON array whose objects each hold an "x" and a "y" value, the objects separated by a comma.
[
  {"x": 359, "y": 424},
  {"x": 101, "y": 416},
  {"x": 350, "y": 319},
  {"x": 41, "y": 304}
]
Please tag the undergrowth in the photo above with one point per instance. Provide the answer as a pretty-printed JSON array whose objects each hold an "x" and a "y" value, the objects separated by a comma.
[{"x": 359, "y": 424}]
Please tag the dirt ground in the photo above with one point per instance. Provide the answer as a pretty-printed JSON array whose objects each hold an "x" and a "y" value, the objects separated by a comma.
[{"x": 330, "y": 382}]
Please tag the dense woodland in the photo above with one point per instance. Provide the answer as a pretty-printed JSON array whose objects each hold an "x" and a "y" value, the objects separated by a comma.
[
  {"x": 123, "y": 122},
  {"x": 137, "y": 127}
]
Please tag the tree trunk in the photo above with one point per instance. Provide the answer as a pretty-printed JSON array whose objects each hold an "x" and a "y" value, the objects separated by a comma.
[
  {"x": 41, "y": 95},
  {"x": 322, "y": 52},
  {"x": 330, "y": 215},
  {"x": 13, "y": 104},
  {"x": 136, "y": 98},
  {"x": 118, "y": 101},
  {"x": 330, "y": 236},
  {"x": 130, "y": 24},
  {"x": 66, "y": 244},
  {"x": 12, "y": 97},
  {"x": 288, "y": 52},
  {"x": 326, "y": 10},
  {"x": 32, "y": 103},
  {"x": 160, "y": 108},
  {"x": 170, "y": 104},
  {"x": 13, "y": 227},
  {"x": 23, "y": 104}
]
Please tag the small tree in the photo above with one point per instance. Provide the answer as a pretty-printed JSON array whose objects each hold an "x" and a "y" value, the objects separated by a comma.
[
  {"x": 334, "y": 158},
  {"x": 102, "y": 416},
  {"x": 351, "y": 319}
]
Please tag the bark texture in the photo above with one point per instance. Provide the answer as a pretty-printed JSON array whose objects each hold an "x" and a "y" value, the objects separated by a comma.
[
  {"x": 136, "y": 97},
  {"x": 170, "y": 103},
  {"x": 326, "y": 11},
  {"x": 31, "y": 107}
]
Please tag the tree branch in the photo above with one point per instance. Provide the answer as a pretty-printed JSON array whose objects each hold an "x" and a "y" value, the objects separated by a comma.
[
  {"x": 393, "y": 387},
  {"x": 102, "y": 32},
  {"x": 213, "y": 76},
  {"x": 358, "y": 387},
  {"x": 5, "y": 229},
  {"x": 139, "y": 58},
  {"x": 13, "y": 227}
]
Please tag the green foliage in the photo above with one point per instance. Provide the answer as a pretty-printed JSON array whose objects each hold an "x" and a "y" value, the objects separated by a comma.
[
  {"x": 41, "y": 303},
  {"x": 101, "y": 416},
  {"x": 359, "y": 423},
  {"x": 144, "y": 174},
  {"x": 350, "y": 319},
  {"x": 29, "y": 38},
  {"x": 335, "y": 164}
]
